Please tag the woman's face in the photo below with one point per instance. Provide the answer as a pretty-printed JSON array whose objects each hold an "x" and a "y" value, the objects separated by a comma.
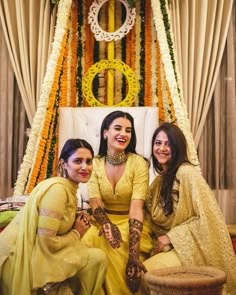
[
  {"x": 161, "y": 149},
  {"x": 118, "y": 135},
  {"x": 79, "y": 165}
]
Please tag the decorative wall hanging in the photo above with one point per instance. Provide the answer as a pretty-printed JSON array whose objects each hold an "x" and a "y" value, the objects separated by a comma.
[
  {"x": 99, "y": 33},
  {"x": 150, "y": 67},
  {"x": 114, "y": 64}
]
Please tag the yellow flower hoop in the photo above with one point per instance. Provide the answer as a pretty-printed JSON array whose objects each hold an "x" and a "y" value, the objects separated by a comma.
[{"x": 116, "y": 64}]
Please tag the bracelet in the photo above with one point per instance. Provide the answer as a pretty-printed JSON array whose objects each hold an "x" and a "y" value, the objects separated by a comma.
[{"x": 75, "y": 231}]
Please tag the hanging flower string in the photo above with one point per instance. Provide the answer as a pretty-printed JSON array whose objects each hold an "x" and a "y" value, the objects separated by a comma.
[
  {"x": 137, "y": 46},
  {"x": 89, "y": 43},
  {"x": 42, "y": 152},
  {"x": 64, "y": 76},
  {"x": 39, "y": 118},
  {"x": 147, "y": 52},
  {"x": 142, "y": 53},
  {"x": 80, "y": 52},
  {"x": 74, "y": 41}
]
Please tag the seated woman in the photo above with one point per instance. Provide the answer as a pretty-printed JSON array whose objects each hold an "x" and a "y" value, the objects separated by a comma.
[
  {"x": 40, "y": 250},
  {"x": 187, "y": 224},
  {"x": 117, "y": 190}
]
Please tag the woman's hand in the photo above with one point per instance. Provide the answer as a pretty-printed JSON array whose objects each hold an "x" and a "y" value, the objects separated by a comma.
[
  {"x": 82, "y": 222},
  {"x": 160, "y": 243},
  {"x": 112, "y": 234}
]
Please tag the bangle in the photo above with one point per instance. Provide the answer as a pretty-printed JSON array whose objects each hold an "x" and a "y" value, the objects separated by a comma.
[{"x": 75, "y": 231}]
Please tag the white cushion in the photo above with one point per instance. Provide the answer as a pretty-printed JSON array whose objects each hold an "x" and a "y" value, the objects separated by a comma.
[{"x": 85, "y": 123}]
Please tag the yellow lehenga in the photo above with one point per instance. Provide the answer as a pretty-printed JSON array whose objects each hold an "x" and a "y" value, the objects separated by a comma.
[
  {"x": 31, "y": 257},
  {"x": 132, "y": 185},
  {"x": 196, "y": 228}
]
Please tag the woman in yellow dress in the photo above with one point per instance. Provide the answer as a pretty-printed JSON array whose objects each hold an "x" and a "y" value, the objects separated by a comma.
[
  {"x": 40, "y": 250},
  {"x": 187, "y": 224},
  {"x": 117, "y": 190}
]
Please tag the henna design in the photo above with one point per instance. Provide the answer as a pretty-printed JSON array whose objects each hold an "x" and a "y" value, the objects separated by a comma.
[
  {"x": 134, "y": 267},
  {"x": 100, "y": 215},
  {"x": 109, "y": 230}
]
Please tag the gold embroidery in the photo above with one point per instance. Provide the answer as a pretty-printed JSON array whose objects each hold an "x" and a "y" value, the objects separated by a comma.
[
  {"x": 50, "y": 213},
  {"x": 46, "y": 232}
]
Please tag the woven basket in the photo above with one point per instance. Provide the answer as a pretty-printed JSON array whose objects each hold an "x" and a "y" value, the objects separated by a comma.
[{"x": 197, "y": 280}]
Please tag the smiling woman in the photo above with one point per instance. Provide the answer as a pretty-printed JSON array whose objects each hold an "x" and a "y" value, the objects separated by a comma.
[
  {"x": 43, "y": 240},
  {"x": 186, "y": 222},
  {"x": 117, "y": 190}
]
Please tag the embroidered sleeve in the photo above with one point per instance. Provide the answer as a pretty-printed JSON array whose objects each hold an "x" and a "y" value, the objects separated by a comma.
[{"x": 55, "y": 221}]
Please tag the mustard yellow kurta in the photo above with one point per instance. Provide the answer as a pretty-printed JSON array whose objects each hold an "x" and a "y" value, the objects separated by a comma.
[
  {"x": 132, "y": 185},
  {"x": 196, "y": 228},
  {"x": 31, "y": 254}
]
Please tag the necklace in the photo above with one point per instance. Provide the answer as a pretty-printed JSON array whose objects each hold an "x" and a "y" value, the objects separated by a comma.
[{"x": 117, "y": 159}]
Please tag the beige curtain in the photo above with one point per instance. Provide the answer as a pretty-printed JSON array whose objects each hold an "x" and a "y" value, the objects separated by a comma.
[
  {"x": 13, "y": 123},
  {"x": 26, "y": 33},
  {"x": 217, "y": 148},
  {"x": 29, "y": 29},
  {"x": 200, "y": 30}
]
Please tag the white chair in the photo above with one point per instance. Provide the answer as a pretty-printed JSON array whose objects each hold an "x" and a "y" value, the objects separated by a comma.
[{"x": 85, "y": 123}]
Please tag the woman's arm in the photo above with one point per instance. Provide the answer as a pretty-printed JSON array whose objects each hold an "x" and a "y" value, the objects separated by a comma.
[
  {"x": 134, "y": 267},
  {"x": 52, "y": 212},
  {"x": 109, "y": 230}
]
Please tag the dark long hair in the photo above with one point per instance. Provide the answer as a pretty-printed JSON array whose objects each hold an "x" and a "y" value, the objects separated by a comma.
[
  {"x": 71, "y": 145},
  {"x": 178, "y": 147},
  {"x": 105, "y": 126}
]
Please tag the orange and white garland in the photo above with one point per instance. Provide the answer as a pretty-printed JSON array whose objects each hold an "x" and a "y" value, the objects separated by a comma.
[
  {"x": 35, "y": 146},
  {"x": 162, "y": 86}
]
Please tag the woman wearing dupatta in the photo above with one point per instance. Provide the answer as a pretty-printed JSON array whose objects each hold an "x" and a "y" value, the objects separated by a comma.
[
  {"x": 187, "y": 224},
  {"x": 40, "y": 250},
  {"x": 117, "y": 191}
]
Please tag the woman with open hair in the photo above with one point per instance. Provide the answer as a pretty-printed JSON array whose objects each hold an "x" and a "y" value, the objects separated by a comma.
[
  {"x": 117, "y": 190},
  {"x": 187, "y": 225}
]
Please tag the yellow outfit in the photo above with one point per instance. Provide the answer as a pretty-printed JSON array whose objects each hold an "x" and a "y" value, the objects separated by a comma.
[
  {"x": 196, "y": 228},
  {"x": 133, "y": 184},
  {"x": 39, "y": 246}
]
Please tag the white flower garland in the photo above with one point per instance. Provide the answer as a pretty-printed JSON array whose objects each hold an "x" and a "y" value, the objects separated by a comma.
[
  {"x": 178, "y": 104},
  {"x": 38, "y": 121},
  {"x": 153, "y": 66}
]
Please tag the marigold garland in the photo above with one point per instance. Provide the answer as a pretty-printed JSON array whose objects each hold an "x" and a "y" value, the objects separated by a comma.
[
  {"x": 142, "y": 53},
  {"x": 159, "y": 84},
  {"x": 74, "y": 41},
  {"x": 147, "y": 54},
  {"x": 38, "y": 172},
  {"x": 80, "y": 52},
  {"x": 75, "y": 51},
  {"x": 89, "y": 43},
  {"x": 34, "y": 144}
]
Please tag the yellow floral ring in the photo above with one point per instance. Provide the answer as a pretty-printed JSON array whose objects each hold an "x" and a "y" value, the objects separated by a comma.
[{"x": 115, "y": 64}]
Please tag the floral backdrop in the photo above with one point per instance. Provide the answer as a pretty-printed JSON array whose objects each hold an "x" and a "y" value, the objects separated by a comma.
[{"x": 136, "y": 68}]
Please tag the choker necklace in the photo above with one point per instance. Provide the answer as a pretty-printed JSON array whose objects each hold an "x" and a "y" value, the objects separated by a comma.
[{"x": 117, "y": 159}]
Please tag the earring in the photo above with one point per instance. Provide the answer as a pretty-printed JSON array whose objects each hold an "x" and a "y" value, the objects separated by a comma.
[
  {"x": 64, "y": 172},
  {"x": 105, "y": 137}
]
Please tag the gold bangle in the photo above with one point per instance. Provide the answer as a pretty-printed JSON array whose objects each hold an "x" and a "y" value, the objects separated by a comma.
[
  {"x": 75, "y": 231},
  {"x": 167, "y": 248}
]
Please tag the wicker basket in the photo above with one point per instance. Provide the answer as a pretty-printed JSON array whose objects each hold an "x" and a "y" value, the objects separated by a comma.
[{"x": 197, "y": 280}]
